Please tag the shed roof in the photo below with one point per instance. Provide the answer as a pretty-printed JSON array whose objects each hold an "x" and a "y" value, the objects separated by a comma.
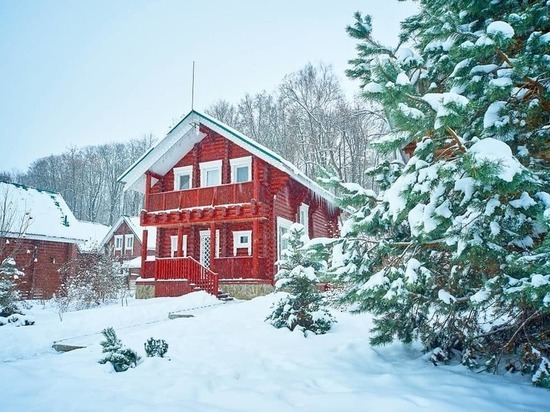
[
  {"x": 93, "y": 234},
  {"x": 37, "y": 214}
]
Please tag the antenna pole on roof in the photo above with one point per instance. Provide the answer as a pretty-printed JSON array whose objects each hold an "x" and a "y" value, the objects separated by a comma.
[{"x": 193, "y": 86}]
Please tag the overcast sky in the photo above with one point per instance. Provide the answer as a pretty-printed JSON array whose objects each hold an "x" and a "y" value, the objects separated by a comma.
[{"x": 76, "y": 73}]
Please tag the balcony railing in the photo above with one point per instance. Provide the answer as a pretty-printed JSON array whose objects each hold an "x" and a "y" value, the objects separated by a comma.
[{"x": 202, "y": 196}]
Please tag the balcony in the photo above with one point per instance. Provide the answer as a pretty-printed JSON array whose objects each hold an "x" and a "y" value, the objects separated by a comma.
[{"x": 234, "y": 193}]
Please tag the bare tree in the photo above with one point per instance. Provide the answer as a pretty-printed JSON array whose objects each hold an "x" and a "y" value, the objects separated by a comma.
[
  {"x": 13, "y": 226},
  {"x": 309, "y": 122}
]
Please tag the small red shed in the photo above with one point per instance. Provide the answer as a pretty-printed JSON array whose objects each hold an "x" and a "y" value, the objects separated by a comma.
[
  {"x": 40, "y": 233},
  {"x": 124, "y": 241},
  {"x": 221, "y": 204}
]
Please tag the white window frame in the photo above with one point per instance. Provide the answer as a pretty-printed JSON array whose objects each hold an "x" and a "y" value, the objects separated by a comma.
[
  {"x": 129, "y": 242},
  {"x": 119, "y": 242},
  {"x": 214, "y": 165},
  {"x": 282, "y": 223},
  {"x": 303, "y": 217},
  {"x": 240, "y": 162},
  {"x": 183, "y": 171},
  {"x": 174, "y": 245},
  {"x": 237, "y": 244}
]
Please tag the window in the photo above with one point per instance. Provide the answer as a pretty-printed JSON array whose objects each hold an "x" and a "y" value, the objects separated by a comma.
[
  {"x": 241, "y": 169},
  {"x": 283, "y": 226},
  {"x": 303, "y": 217},
  {"x": 119, "y": 239},
  {"x": 128, "y": 242},
  {"x": 242, "y": 239},
  {"x": 174, "y": 246},
  {"x": 211, "y": 173},
  {"x": 183, "y": 178}
]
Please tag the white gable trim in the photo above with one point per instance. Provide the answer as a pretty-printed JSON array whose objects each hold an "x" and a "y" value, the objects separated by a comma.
[
  {"x": 181, "y": 139},
  {"x": 165, "y": 154}
]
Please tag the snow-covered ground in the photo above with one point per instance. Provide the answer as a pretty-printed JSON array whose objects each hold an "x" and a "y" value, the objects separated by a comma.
[{"x": 226, "y": 358}]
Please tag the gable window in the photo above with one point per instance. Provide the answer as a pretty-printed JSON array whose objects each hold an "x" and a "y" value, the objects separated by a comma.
[
  {"x": 242, "y": 239},
  {"x": 119, "y": 239},
  {"x": 128, "y": 242},
  {"x": 241, "y": 169},
  {"x": 174, "y": 246},
  {"x": 183, "y": 178},
  {"x": 303, "y": 217},
  {"x": 211, "y": 173}
]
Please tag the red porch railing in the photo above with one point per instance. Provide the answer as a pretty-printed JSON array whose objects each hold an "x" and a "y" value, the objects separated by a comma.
[
  {"x": 148, "y": 269},
  {"x": 187, "y": 268},
  {"x": 202, "y": 196},
  {"x": 233, "y": 267}
]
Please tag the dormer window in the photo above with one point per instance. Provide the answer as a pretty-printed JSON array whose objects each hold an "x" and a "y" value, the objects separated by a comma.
[
  {"x": 241, "y": 169},
  {"x": 211, "y": 173},
  {"x": 119, "y": 239},
  {"x": 128, "y": 242},
  {"x": 183, "y": 178}
]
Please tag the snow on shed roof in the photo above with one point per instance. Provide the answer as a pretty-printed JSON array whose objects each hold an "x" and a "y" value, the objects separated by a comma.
[
  {"x": 46, "y": 213},
  {"x": 180, "y": 140},
  {"x": 93, "y": 234}
]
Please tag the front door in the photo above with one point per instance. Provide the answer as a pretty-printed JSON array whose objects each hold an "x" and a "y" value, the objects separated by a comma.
[
  {"x": 205, "y": 248},
  {"x": 205, "y": 254}
]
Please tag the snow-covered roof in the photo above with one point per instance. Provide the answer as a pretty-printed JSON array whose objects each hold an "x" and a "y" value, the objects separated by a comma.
[
  {"x": 134, "y": 263},
  {"x": 93, "y": 233},
  {"x": 160, "y": 158},
  {"x": 47, "y": 215},
  {"x": 133, "y": 223}
]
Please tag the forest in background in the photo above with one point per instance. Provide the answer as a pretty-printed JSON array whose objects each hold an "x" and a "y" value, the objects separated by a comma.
[{"x": 307, "y": 119}]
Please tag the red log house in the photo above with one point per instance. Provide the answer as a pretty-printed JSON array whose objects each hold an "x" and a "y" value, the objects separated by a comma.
[
  {"x": 124, "y": 242},
  {"x": 221, "y": 204}
]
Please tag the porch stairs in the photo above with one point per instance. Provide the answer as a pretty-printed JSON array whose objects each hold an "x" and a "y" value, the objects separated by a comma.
[
  {"x": 179, "y": 276},
  {"x": 224, "y": 296}
]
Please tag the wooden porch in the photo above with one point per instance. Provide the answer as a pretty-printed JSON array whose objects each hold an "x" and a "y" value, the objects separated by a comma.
[
  {"x": 177, "y": 276},
  {"x": 222, "y": 268}
]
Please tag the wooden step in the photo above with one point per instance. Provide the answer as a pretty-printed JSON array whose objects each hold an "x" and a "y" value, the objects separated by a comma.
[
  {"x": 62, "y": 347},
  {"x": 173, "y": 315}
]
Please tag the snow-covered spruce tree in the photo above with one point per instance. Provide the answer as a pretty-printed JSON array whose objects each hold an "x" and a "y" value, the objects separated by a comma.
[
  {"x": 453, "y": 249},
  {"x": 304, "y": 307},
  {"x": 121, "y": 357},
  {"x": 9, "y": 294}
]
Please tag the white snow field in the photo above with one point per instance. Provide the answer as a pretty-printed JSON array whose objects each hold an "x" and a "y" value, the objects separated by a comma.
[{"x": 226, "y": 358}]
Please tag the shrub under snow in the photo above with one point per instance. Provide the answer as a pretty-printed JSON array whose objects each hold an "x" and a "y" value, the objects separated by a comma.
[{"x": 304, "y": 307}]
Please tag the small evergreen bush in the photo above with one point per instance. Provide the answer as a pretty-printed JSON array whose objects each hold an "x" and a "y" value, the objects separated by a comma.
[
  {"x": 121, "y": 357},
  {"x": 156, "y": 347},
  {"x": 304, "y": 308}
]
